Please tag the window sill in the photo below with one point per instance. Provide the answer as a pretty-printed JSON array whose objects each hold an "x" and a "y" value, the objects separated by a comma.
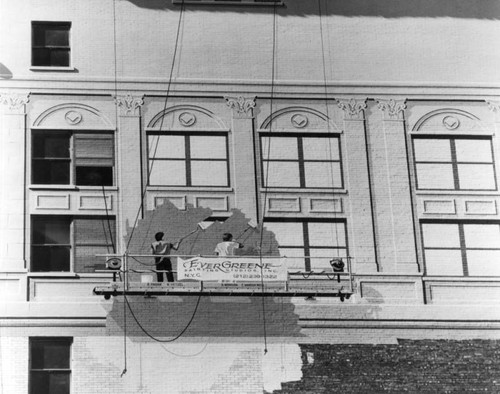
[
  {"x": 189, "y": 189},
  {"x": 50, "y": 68},
  {"x": 461, "y": 278},
  {"x": 70, "y": 275},
  {"x": 72, "y": 188},
  {"x": 302, "y": 190},
  {"x": 458, "y": 192}
]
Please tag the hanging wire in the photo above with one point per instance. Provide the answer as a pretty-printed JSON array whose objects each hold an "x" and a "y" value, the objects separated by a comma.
[
  {"x": 267, "y": 178},
  {"x": 150, "y": 167},
  {"x": 151, "y": 336}
]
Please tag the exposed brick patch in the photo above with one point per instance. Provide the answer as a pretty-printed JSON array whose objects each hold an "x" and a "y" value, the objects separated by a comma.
[{"x": 443, "y": 366}]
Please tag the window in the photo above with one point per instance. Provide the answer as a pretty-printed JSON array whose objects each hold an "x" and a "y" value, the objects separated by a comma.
[
  {"x": 50, "y": 44},
  {"x": 463, "y": 249},
  {"x": 50, "y": 365},
  {"x": 66, "y": 158},
  {"x": 196, "y": 159},
  {"x": 321, "y": 240},
  {"x": 65, "y": 243},
  {"x": 454, "y": 163},
  {"x": 311, "y": 161}
]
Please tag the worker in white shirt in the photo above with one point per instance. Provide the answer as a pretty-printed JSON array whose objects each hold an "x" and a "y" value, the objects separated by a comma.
[{"x": 227, "y": 246}]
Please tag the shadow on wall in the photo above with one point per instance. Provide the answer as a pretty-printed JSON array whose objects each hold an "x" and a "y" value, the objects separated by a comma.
[
  {"x": 468, "y": 9},
  {"x": 166, "y": 317},
  {"x": 5, "y": 73}
]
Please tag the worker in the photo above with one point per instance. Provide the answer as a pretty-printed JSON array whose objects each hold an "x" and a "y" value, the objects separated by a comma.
[{"x": 227, "y": 246}]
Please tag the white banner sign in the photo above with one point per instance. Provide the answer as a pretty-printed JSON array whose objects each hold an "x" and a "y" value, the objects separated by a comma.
[{"x": 232, "y": 269}]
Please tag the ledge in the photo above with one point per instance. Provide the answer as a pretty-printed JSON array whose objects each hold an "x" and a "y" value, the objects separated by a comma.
[
  {"x": 49, "y": 68},
  {"x": 225, "y": 2}
]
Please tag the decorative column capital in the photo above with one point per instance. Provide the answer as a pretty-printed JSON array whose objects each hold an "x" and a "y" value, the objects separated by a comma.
[
  {"x": 243, "y": 107},
  {"x": 15, "y": 101},
  {"x": 129, "y": 104},
  {"x": 392, "y": 109},
  {"x": 353, "y": 108}
]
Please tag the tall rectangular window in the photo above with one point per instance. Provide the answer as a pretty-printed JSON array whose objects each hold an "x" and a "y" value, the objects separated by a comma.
[
  {"x": 309, "y": 244},
  {"x": 453, "y": 163},
  {"x": 50, "y": 45},
  {"x": 290, "y": 160},
  {"x": 195, "y": 159},
  {"x": 462, "y": 249},
  {"x": 70, "y": 244},
  {"x": 50, "y": 365},
  {"x": 72, "y": 158}
]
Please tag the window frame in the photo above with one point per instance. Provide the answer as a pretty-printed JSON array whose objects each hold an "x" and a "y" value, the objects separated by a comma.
[
  {"x": 188, "y": 160},
  {"x": 65, "y": 24},
  {"x": 72, "y": 159},
  {"x": 305, "y": 235},
  {"x": 453, "y": 160},
  {"x": 72, "y": 238},
  {"x": 462, "y": 248},
  {"x": 300, "y": 158},
  {"x": 64, "y": 340}
]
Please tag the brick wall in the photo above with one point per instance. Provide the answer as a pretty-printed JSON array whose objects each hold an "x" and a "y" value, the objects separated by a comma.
[{"x": 443, "y": 366}]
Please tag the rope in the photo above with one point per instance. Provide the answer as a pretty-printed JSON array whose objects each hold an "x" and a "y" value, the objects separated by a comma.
[{"x": 109, "y": 223}]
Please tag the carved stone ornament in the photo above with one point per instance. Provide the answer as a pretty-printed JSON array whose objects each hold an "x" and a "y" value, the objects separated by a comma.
[
  {"x": 299, "y": 121},
  {"x": 353, "y": 109},
  {"x": 187, "y": 119},
  {"x": 15, "y": 101},
  {"x": 451, "y": 122},
  {"x": 241, "y": 105},
  {"x": 73, "y": 117},
  {"x": 392, "y": 109},
  {"x": 129, "y": 104}
]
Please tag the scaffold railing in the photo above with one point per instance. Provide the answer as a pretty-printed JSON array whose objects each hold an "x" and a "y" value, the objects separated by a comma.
[{"x": 278, "y": 276}]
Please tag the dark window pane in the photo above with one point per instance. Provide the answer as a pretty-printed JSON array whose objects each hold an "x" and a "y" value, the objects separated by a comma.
[
  {"x": 50, "y": 258},
  {"x": 94, "y": 176},
  {"x": 40, "y": 57},
  {"x": 59, "y": 57},
  {"x": 39, "y": 383},
  {"x": 50, "y": 34},
  {"x": 51, "y": 172},
  {"x": 47, "y": 145},
  {"x": 49, "y": 230},
  {"x": 57, "y": 36},
  {"x": 50, "y": 354}
]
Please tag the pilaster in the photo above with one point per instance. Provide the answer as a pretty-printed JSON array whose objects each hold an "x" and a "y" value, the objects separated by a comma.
[
  {"x": 394, "y": 214},
  {"x": 243, "y": 149},
  {"x": 129, "y": 169},
  {"x": 357, "y": 179},
  {"x": 12, "y": 181}
]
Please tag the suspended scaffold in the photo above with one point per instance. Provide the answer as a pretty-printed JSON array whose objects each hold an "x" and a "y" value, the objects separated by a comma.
[{"x": 228, "y": 276}]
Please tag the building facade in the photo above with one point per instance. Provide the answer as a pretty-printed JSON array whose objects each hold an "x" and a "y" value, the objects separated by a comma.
[{"x": 340, "y": 130}]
